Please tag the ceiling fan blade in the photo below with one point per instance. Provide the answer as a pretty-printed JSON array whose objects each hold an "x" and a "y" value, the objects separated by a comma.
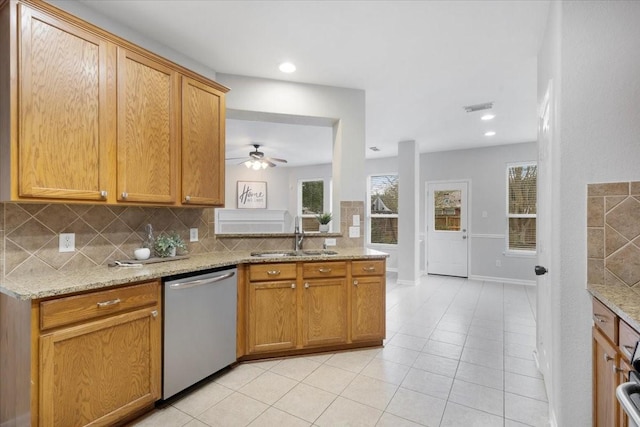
[
  {"x": 273, "y": 165},
  {"x": 236, "y": 158},
  {"x": 274, "y": 159}
]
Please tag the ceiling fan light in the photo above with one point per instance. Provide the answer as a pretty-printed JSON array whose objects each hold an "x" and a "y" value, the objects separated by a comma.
[
  {"x": 256, "y": 165},
  {"x": 248, "y": 164},
  {"x": 264, "y": 165}
]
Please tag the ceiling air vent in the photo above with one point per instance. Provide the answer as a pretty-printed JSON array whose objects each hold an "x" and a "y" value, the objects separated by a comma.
[{"x": 478, "y": 107}]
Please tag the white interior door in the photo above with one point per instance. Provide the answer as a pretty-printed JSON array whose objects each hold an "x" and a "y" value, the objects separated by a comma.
[
  {"x": 447, "y": 236},
  {"x": 543, "y": 240}
]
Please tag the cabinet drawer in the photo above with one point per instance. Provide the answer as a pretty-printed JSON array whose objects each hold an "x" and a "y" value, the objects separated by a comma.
[
  {"x": 627, "y": 337},
  {"x": 312, "y": 270},
  {"x": 278, "y": 271},
  {"x": 367, "y": 268},
  {"x": 67, "y": 310},
  {"x": 605, "y": 320}
]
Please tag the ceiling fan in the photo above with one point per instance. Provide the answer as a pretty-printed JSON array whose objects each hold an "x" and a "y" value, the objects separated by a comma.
[{"x": 257, "y": 159}]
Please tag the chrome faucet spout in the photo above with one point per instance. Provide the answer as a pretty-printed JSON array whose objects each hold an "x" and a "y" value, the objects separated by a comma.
[{"x": 298, "y": 234}]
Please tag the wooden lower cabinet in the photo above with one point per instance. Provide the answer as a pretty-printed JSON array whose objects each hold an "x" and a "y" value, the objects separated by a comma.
[
  {"x": 310, "y": 306},
  {"x": 101, "y": 371},
  {"x": 272, "y": 316},
  {"x": 613, "y": 341},
  {"x": 368, "y": 308},
  {"x": 324, "y": 311},
  {"x": 605, "y": 381}
]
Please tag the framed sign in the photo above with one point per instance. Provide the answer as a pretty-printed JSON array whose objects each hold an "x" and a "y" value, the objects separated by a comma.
[{"x": 252, "y": 195}]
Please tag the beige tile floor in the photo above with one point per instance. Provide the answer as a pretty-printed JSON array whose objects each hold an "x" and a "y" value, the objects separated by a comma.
[{"x": 458, "y": 353}]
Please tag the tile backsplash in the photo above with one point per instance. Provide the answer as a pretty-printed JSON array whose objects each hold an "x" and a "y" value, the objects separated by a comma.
[
  {"x": 29, "y": 233},
  {"x": 613, "y": 233}
]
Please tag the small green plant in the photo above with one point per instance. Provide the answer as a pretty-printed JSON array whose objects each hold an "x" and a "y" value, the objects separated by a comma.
[
  {"x": 167, "y": 244},
  {"x": 324, "y": 218}
]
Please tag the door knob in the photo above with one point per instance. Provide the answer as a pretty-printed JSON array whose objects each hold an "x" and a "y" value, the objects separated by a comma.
[
  {"x": 540, "y": 270},
  {"x": 464, "y": 237}
]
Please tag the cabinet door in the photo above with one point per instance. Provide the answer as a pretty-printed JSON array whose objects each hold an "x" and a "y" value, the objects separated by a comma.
[
  {"x": 66, "y": 98},
  {"x": 203, "y": 135},
  {"x": 622, "y": 370},
  {"x": 101, "y": 371},
  {"x": 148, "y": 114},
  {"x": 368, "y": 308},
  {"x": 605, "y": 404},
  {"x": 324, "y": 311},
  {"x": 272, "y": 316}
]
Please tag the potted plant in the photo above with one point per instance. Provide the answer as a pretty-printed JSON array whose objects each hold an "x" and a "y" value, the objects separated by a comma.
[
  {"x": 324, "y": 219},
  {"x": 166, "y": 244}
]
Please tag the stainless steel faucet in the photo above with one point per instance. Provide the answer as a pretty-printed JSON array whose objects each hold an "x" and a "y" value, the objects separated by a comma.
[{"x": 299, "y": 234}]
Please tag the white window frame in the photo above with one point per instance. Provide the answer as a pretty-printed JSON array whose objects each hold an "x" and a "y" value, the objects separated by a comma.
[
  {"x": 371, "y": 215},
  {"x": 324, "y": 195},
  {"x": 517, "y": 252}
]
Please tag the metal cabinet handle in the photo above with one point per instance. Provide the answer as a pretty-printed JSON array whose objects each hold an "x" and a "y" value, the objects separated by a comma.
[
  {"x": 273, "y": 272},
  {"x": 355, "y": 283},
  {"x": 306, "y": 285},
  {"x": 200, "y": 282},
  {"x": 599, "y": 318},
  {"x": 293, "y": 286},
  {"x": 369, "y": 268},
  {"x": 125, "y": 195},
  {"x": 154, "y": 313},
  {"x": 108, "y": 303},
  {"x": 103, "y": 194},
  {"x": 607, "y": 358},
  {"x": 628, "y": 350},
  {"x": 324, "y": 270},
  {"x": 617, "y": 369},
  {"x": 187, "y": 199}
]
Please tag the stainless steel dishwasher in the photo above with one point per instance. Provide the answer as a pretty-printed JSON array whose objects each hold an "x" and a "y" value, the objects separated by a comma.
[{"x": 199, "y": 327}]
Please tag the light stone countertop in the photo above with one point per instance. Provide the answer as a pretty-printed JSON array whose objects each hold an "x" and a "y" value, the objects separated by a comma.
[
  {"x": 621, "y": 299},
  {"x": 60, "y": 283}
]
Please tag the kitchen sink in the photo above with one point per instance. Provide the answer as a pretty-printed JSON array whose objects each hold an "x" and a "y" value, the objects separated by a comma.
[
  {"x": 280, "y": 254},
  {"x": 274, "y": 254}
]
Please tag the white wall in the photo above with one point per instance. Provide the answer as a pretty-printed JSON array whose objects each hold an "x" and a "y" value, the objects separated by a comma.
[
  {"x": 486, "y": 170},
  {"x": 592, "y": 56},
  {"x": 282, "y": 185},
  {"x": 86, "y": 13},
  {"x": 345, "y": 106}
]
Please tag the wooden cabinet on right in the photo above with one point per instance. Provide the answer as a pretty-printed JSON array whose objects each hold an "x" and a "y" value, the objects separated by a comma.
[
  {"x": 368, "y": 300},
  {"x": 613, "y": 343}
]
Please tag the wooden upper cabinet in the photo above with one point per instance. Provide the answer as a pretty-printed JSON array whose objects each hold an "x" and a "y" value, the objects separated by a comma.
[
  {"x": 66, "y": 98},
  {"x": 203, "y": 138},
  {"x": 148, "y": 114}
]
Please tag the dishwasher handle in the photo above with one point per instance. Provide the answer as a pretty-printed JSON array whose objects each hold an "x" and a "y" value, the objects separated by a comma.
[
  {"x": 201, "y": 282},
  {"x": 623, "y": 393}
]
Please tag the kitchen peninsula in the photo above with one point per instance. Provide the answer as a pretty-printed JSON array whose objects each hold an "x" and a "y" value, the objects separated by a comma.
[{"x": 329, "y": 302}]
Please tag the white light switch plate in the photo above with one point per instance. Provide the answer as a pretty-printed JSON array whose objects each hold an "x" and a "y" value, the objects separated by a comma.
[
  {"x": 67, "y": 242},
  {"x": 356, "y": 220},
  {"x": 354, "y": 232},
  {"x": 193, "y": 234}
]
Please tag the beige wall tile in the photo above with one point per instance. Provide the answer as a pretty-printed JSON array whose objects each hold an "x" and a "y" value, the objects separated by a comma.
[
  {"x": 625, "y": 218},
  {"x": 595, "y": 271},
  {"x": 625, "y": 264},
  {"x": 612, "y": 242},
  {"x": 595, "y": 243},
  {"x": 608, "y": 189},
  {"x": 595, "y": 211}
]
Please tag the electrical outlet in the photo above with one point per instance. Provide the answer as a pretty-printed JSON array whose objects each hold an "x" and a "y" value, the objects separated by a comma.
[
  {"x": 193, "y": 234},
  {"x": 498, "y": 263},
  {"x": 354, "y": 232},
  {"x": 356, "y": 220},
  {"x": 330, "y": 242},
  {"x": 67, "y": 242}
]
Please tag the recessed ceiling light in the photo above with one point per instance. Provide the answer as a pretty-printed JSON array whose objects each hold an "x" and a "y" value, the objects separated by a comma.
[
  {"x": 490, "y": 133},
  {"x": 287, "y": 67},
  {"x": 488, "y": 117}
]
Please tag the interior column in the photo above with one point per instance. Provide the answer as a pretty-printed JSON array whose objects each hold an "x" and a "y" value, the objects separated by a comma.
[{"x": 408, "y": 209}]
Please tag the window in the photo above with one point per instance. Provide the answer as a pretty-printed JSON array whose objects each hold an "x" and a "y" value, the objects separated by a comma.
[
  {"x": 310, "y": 203},
  {"x": 521, "y": 206},
  {"x": 383, "y": 209}
]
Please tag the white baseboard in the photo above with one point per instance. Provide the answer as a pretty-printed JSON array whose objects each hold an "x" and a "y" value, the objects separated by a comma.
[
  {"x": 503, "y": 280},
  {"x": 392, "y": 269}
]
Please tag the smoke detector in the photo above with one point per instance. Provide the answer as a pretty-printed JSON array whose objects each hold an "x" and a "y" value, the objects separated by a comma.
[{"x": 478, "y": 107}]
